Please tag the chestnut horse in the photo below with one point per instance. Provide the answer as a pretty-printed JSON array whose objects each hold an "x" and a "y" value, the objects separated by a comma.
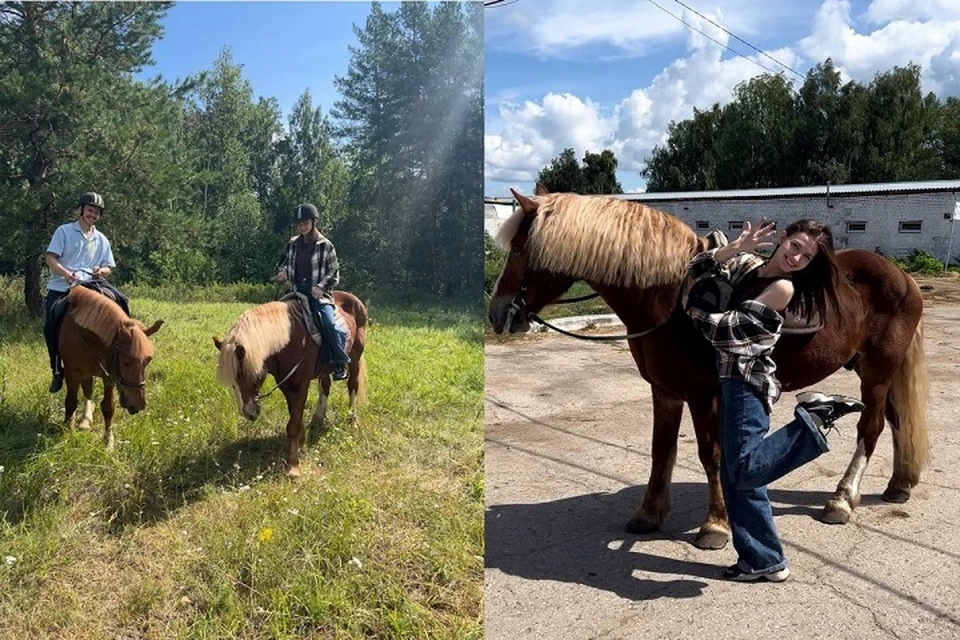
[
  {"x": 272, "y": 339},
  {"x": 635, "y": 257},
  {"x": 97, "y": 339}
]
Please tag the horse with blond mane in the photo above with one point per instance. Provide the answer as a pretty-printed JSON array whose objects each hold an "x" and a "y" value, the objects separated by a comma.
[
  {"x": 97, "y": 339},
  {"x": 272, "y": 339},
  {"x": 635, "y": 257}
]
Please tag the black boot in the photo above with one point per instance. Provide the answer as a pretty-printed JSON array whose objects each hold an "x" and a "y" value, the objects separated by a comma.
[
  {"x": 57, "y": 382},
  {"x": 340, "y": 371}
]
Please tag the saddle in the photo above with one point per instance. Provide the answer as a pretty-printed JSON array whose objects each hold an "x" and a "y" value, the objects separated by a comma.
[
  {"x": 310, "y": 321},
  {"x": 796, "y": 325}
]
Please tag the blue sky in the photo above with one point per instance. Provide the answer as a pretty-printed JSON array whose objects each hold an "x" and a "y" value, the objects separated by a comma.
[
  {"x": 595, "y": 74},
  {"x": 284, "y": 47}
]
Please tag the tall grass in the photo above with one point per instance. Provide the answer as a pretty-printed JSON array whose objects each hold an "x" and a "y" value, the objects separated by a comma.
[{"x": 189, "y": 528}]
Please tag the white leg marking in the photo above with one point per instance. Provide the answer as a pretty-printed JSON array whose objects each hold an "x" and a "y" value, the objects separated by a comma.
[
  {"x": 87, "y": 419},
  {"x": 320, "y": 413}
]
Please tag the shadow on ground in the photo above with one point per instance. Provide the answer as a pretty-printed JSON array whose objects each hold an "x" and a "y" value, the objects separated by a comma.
[{"x": 582, "y": 540}]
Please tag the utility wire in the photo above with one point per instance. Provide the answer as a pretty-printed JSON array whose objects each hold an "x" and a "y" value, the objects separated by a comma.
[
  {"x": 733, "y": 35},
  {"x": 711, "y": 38}
]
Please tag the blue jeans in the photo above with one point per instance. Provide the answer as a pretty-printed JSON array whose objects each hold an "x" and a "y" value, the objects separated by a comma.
[
  {"x": 334, "y": 341},
  {"x": 749, "y": 462}
]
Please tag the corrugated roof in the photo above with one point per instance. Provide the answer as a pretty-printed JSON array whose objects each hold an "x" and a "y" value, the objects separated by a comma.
[{"x": 926, "y": 186}]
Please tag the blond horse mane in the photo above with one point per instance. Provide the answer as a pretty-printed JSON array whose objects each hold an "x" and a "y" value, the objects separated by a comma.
[
  {"x": 263, "y": 331},
  {"x": 103, "y": 317},
  {"x": 605, "y": 240}
]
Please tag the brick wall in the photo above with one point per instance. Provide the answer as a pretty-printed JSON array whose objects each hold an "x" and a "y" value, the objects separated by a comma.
[{"x": 883, "y": 215}]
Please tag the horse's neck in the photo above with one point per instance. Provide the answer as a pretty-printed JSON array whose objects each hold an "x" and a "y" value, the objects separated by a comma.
[{"x": 640, "y": 308}]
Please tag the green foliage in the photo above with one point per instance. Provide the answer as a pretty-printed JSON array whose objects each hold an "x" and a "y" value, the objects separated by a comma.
[
  {"x": 598, "y": 175},
  {"x": 410, "y": 118},
  {"x": 770, "y": 135},
  {"x": 920, "y": 262},
  {"x": 201, "y": 178},
  {"x": 189, "y": 528},
  {"x": 493, "y": 260}
]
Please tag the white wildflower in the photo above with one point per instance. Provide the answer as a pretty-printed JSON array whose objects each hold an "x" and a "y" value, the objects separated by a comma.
[
  {"x": 356, "y": 561},
  {"x": 293, "y": 512},
  {"x": 9, "y": 560}
]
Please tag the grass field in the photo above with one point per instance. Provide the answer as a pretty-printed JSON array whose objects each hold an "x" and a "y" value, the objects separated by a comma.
[{"x": 189, "y": 528}]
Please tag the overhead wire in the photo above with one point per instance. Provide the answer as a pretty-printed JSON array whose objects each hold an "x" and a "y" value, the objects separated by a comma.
[
  {"x": 712, "y": 39},
  {"x": 733, "y": 35}
]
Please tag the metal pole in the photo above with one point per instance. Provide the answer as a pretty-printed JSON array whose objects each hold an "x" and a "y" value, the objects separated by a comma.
[{"x": 946, "y": 263}]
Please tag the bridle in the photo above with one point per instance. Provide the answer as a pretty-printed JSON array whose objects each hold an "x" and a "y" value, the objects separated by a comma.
[
  {"x": 112, "y": 371},
  {"x": 519, "y": 306}
]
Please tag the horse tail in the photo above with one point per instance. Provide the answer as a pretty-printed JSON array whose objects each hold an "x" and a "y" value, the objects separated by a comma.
[
  {"x": 360, "y": 314},
  {"x": 362, "y": 380},
  {"x": 909, "y": 393}
]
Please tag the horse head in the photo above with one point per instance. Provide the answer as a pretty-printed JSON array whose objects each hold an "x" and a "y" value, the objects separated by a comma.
[
  {"x": 131, "y": 353},
  {"x": 233, "y": 371},
  {"x": 522, "y": 288}
]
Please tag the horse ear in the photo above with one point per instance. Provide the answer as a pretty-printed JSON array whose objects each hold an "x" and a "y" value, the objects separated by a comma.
[
  {"x": 217, "y": 343},
  {"x": 529, "y": 206},
  {"x": 541, "y": 190},
  {"x": 152, "y": 329},
  {"x": 241, "y": 352}
]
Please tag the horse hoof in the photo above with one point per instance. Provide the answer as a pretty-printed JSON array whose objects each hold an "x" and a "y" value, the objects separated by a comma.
[
  {"x": 711, "y": 540},
  {"x": 84, "y": 426},
  {"x": 640, "y": 525},
  {"x": 293, "y": 471},
  {"x": 836, "y": 512},
  {"x": 895, "y": 495}
]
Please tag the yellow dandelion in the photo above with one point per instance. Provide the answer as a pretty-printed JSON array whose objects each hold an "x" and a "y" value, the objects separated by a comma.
[{"x": 265, "y": 535}]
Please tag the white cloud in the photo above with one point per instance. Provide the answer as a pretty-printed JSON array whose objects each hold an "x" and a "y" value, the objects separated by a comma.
[
  {"x": 533, "y": 133},
  {"x": 860, "y": 56},
  {"x": 528, "y": 137},
  {"x": 554, "y": 28},
  {"x": 523, "y": 139},
  {"x": 883, "y": 11}
]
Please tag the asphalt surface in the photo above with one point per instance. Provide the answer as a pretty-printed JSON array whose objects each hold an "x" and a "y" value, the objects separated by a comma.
[{"x": 568, "y": 430}]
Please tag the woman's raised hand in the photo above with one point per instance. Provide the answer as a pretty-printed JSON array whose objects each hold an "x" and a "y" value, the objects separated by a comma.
[{"x": 753, "y": 238}]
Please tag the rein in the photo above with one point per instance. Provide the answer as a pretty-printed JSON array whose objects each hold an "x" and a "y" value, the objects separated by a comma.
[
  {"x": 261, "y": 396},
  {"x": 519, "y": 305}
]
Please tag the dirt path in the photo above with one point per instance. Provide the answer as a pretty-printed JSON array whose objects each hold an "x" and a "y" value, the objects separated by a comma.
[{"x": 567, "y": 457}]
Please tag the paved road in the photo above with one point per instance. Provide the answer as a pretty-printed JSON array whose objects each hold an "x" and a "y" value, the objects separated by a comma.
[{"x": 568, "y": 429}]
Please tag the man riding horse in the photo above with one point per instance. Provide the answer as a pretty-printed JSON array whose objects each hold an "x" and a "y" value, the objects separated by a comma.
[{"x": 78, "y": 253}]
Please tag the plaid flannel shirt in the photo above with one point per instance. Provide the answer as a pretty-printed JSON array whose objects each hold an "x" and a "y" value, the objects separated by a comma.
[
  {"x": 744, "y": 337},
  {"x": 324, "y": 266}
]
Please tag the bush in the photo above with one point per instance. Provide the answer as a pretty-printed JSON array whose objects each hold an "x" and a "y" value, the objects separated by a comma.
[
  {"x": 493, "y": 260},
  {"x": 920, "y": 262}
]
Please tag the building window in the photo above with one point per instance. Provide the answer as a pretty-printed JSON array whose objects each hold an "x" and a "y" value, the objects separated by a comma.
[
  {"x": 703, "y": 224},
  {"x": 735, "y": 225},
  {"x": 911, "y": 226},
  {"x": 856, "y": 227}
]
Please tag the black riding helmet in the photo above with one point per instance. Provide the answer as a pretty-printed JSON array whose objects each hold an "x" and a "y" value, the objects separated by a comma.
[
  {"x": 306, "y": 211},
  {"x": 92, "y": 198}
]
